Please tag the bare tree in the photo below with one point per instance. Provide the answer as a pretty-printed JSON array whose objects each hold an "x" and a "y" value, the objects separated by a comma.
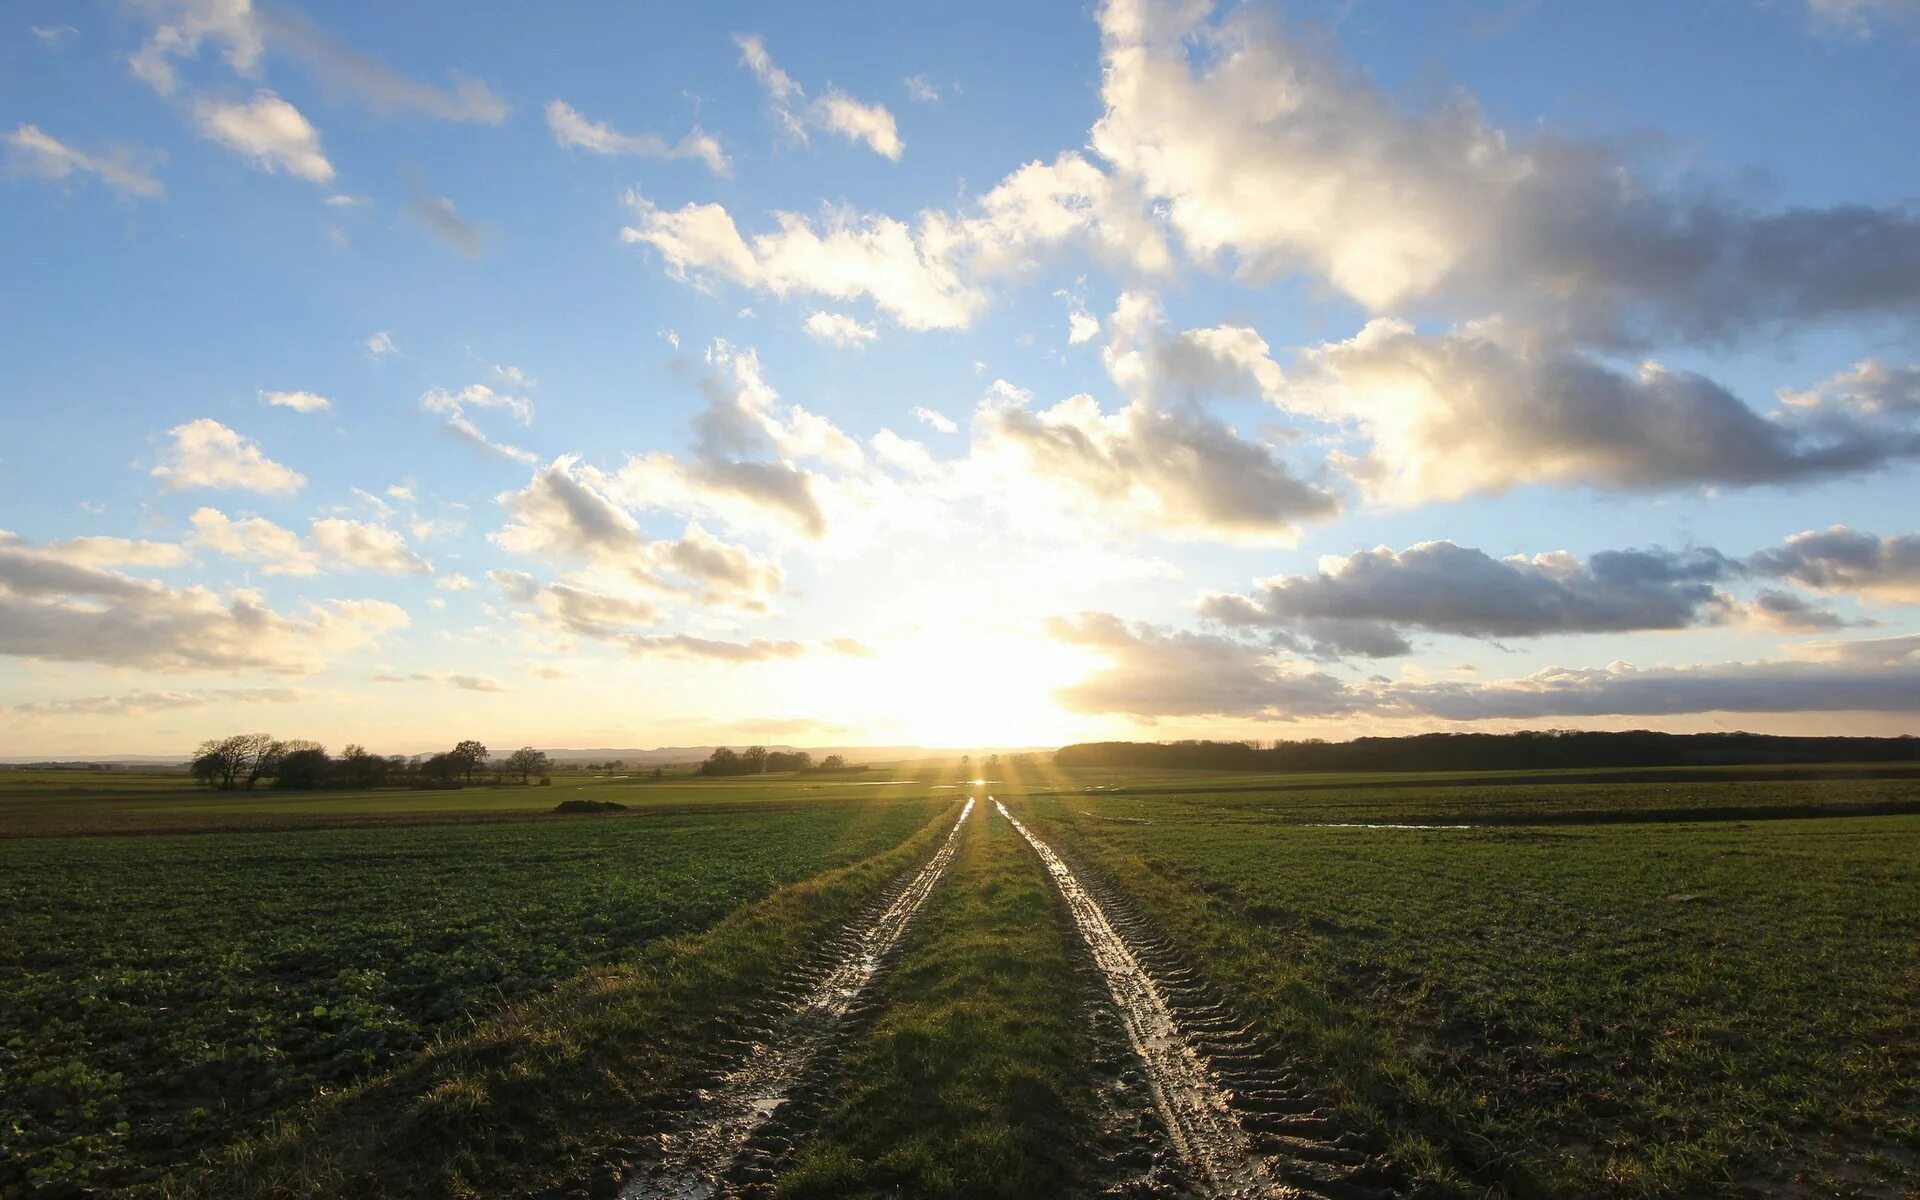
[
  {"x": 526, "y": 762},
  {"x": 228, "y": 762},
  {"x": 266, "y": 754}
]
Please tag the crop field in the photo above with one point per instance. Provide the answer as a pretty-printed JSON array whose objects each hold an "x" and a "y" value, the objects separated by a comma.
[
  {"x": 1635, "y": 994},
  {"x": 160, "y": 995},
  {"x": 1651, "y": 983}
]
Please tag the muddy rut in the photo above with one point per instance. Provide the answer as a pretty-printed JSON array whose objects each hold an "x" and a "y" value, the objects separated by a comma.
[
  {"x": 732, "y": 1133},
  {"x": 1241, "y": 1125}
]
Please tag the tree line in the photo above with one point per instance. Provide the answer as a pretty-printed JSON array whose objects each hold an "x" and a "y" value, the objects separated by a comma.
[
  {"x": 245, "y": 760},
  {"x": 1527, "y": 749},
  {"x": 758, "y": 760}
]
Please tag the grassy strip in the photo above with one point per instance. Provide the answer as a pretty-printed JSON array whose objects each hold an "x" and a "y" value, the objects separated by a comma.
[
  {"x": 1636, "y": 1011},
  {"x": 973, "y": 1080},
  {"x": 549, "y": 1088}
]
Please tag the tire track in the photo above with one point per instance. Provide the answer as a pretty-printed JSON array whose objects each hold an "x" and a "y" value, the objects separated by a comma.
[
  {"x": 732, "y": 1131},
  {"x": 1239, "y": 1122}
]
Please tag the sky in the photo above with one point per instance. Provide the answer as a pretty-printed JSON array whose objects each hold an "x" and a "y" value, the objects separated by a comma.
[{"x": 955, "y": 374}]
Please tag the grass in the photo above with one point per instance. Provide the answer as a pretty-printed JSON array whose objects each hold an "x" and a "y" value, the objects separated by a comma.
[
  {"x": 63, "y": 803},
  {"x": 160, "y": 996},
  {"x": 1514, "y": 798},
  {"x": 551, "y": 1087},
  {"x": 1588, "y": 984},
  {"x": 971, "y": 1082},
  {"x": 1648, "y": 1007}
]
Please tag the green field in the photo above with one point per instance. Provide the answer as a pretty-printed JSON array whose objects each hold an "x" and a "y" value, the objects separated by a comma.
[
  {"x": 160, "y": 995},
  {"x": 1636, "y": 1005},
  {"x": 1598, "y": 983}
]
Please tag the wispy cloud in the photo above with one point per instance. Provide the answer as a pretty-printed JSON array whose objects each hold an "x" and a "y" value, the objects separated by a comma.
[
  {"x": 574, "y": 131},
  {"x": 834, "y": 111},
  {"x": 29, "y": 151}
]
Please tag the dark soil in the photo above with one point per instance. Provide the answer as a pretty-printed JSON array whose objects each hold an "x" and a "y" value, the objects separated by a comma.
[{"x": 589, "y": 806}]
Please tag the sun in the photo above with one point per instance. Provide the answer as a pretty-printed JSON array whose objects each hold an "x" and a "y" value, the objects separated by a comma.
[{"x": 958, "y": 684}]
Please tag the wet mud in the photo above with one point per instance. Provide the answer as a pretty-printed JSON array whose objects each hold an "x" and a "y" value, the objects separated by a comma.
[
  {"x": 1238, "y": 1122},
  {"x": 739, "y": 1129}
]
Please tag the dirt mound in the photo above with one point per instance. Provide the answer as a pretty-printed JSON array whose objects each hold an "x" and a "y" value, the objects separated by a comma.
[{"x": 589, "y": 806}]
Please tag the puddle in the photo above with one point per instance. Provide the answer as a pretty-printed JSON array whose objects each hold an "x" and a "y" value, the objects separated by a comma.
[{"x": 1379, "y": 825}]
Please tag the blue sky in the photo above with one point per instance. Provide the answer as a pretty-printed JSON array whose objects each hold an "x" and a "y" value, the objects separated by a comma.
[{"x": 553, "y": 377}]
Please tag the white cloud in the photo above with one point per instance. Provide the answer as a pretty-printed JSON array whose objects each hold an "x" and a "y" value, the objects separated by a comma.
[
  {"x": 1868, "y": 388},
  {"x": 1161, "y": 462},
  {"x": 478, "y": 395},
  {"x": 855, "y": 120},
  {"x": 575, "y": 611},
  {"x": 454, "y": 582},
  {"x": 838, "y": 329},
  {"x": 940, "y": 421},
  {"x": 453, "y": 407},
  {"x": 1176, "y": 471},
  {"x": 1082, "y": 327},
  {"x": 745, "y": 463},
  {"x": 845, "y": 257},
  {"x": 1271, "y": 154},
  {"x": 267, "y": 130},
  {"x": 461, "y": 428},
  {"x": 359, "y": 545},
  {"x": 570, "y": 514},
  {"x": 332, "y": 542},
  {"x": 62, "y": 611},
  {"x": 925, "y": 276},
  {"x": 780, "y": 86},
  {"x": 1153, "y": 363},
  {"x": 206, "y": 454},
  {"x": 836, "y": 112},
  {"x": 101, "y": 551},
  {"x": 380, "y": 345},
  {"x": 922, "y": 89},
  {"x": 32, "y": 152},
  {"x": 253, "y": 539},
  {"x": 573, "y": 131},
  {"x": 904, "y": 453},
  {"x": 306, "y": 402}
]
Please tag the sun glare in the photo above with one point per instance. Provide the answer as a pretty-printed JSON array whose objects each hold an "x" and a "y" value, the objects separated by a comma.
[{"x": 954, "y": 685}]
